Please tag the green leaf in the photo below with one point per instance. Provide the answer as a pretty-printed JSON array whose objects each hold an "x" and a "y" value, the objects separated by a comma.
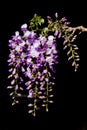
[{"x": 42, "y": 21}]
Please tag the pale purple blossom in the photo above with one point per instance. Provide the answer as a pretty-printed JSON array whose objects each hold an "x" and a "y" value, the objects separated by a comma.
[
  {"x": 24, "y": 27},
  {"x": 31, "y": 94}
]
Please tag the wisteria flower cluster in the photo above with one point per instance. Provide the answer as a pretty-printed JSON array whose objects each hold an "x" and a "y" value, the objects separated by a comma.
[{"x": 32, "y": 59}]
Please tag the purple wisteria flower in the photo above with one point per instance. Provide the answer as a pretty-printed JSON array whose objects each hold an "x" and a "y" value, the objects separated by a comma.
[{"x": 31, "y": 65}]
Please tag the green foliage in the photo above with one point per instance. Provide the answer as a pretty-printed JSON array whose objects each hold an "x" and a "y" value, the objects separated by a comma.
[{"x": 35, "y": 22}]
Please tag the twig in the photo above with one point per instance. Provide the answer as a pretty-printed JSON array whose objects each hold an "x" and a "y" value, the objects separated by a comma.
[{"x": 80, "y": 28}]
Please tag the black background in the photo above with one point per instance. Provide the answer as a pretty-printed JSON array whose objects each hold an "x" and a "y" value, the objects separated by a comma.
[{"x": 69, "y": 110}]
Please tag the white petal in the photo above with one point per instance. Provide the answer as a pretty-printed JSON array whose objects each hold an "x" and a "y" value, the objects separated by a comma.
[
  {"x": 26, "y": 34},
  {"x": 17, "y": 33},
  {"x": 24, "y": 26},
  {"x": 50, "y": 38}
]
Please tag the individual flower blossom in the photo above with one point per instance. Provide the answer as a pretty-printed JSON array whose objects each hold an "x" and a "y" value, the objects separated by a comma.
[
  {"x": 34, "y": 52},
  {"x": 36, "y": 43},
  {"x": 31, "y": 94},
  {"x": 27, "y": 34},
  {"x": 56, "y": 15},
  {"x": 24, "y": 27}
]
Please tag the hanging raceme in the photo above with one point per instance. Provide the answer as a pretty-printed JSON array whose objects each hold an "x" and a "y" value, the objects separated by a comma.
[{"x": 32, "y": 57}]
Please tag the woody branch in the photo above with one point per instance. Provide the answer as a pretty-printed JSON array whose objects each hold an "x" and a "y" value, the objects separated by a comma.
[{"x": 80, "y": 28}]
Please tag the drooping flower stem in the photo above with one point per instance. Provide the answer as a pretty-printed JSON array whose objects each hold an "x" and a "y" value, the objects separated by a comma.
[
  {"x": 35, "y": 101},
  {"x": 47, "y": 90},
  {"x": 47, "y": 96},
  {"x": 74, "y": 57}
]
